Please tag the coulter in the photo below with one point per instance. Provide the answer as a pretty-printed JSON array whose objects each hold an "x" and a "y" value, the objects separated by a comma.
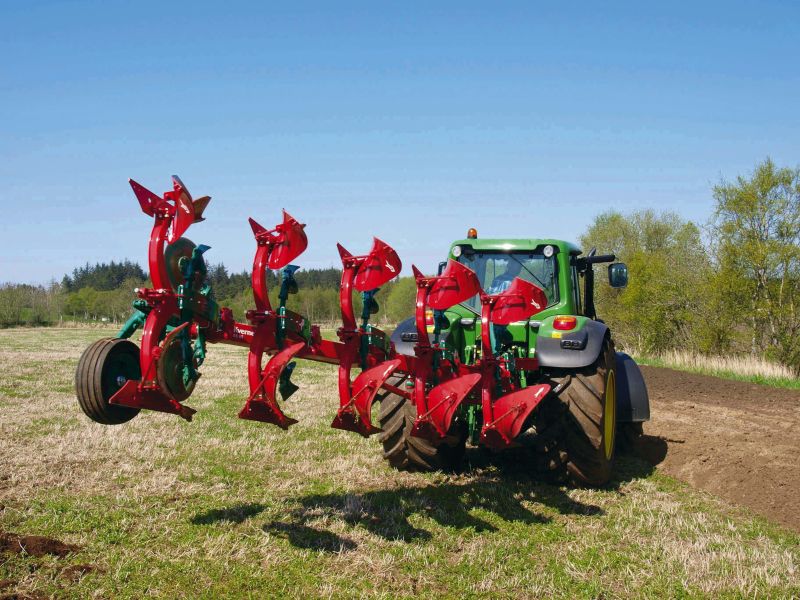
[{"x": 504, "y": 347}]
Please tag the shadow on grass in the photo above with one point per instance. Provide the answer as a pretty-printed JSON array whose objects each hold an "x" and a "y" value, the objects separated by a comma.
[
  {"x": 237, "y": 513},
  {"x": 502, "y": 485},
  {"x": 300, "y": 535}
]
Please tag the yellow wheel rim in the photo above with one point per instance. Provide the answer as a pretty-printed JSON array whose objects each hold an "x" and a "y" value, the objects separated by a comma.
[{"x": 610, "y": 414}]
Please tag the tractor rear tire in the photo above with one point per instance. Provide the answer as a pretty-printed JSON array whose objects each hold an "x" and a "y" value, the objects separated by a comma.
[
  {"x": 586, "y": 447},
  {"x": 405, "y": 452},
  {"x": 102, "y": 370}
]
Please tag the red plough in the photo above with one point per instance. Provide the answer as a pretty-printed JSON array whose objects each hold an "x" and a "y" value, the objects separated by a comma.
[
  {"x": 173, "y": 214},
  {"x": 503, "y": 416},
  {"x": 262, "y": 405},
  {"x": 179, "y": 316},
  {"x": 365, "y": 343},
  {"x": 276, "y": 248},
  {"x": 435, "y": 411}
]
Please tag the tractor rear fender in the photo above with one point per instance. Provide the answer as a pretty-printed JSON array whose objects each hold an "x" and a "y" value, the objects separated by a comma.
[
  {"x": 405, "y": 337},
  {"x": 633, "y": 404},
  {"x": 573, "y": 349}
]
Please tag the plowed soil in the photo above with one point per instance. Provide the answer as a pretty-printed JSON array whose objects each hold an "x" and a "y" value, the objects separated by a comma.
[{"x": 739, "y": 441}]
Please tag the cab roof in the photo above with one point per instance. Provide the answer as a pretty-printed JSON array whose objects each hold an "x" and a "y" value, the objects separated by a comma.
[{"x": 516, "y": 245}]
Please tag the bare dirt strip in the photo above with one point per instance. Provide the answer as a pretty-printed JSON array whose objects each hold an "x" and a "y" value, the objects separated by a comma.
[{"x": 739, "y": 441}]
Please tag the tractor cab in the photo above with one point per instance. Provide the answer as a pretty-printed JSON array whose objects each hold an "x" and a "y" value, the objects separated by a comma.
[{"x": 554, "y": 266}]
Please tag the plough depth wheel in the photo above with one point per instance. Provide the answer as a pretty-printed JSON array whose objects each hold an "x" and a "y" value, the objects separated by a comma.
[{"x": 103, "y": 369}]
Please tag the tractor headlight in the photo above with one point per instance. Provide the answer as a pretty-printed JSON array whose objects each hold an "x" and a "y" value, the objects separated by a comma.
[
  {"x": 548, "y": 251},
  {"x": 456, "y": 251}
]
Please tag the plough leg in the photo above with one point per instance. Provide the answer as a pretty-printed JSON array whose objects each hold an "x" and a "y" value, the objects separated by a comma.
[
  {"x": 443, "y": 400},
  {"x": 509, "y": 414},
  {"x": 355, "y": 414},
  {"x": 262, "y": 405}
]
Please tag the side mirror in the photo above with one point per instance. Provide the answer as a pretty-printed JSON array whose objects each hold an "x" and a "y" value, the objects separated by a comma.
[{"x": 617, "y": 275}]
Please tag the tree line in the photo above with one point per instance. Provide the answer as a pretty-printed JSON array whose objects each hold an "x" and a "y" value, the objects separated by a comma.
[
  {"x": 104, "y": 292},
  {"x": 103, "y": 277},
  {"x": 731, "y": 285}
]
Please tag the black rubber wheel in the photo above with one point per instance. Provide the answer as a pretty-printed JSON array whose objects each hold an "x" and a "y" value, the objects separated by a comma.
[
  {"x": 407, "y": 453},
  {"x": 586, "y": 442},
  {"x": 103, "y": 369}
]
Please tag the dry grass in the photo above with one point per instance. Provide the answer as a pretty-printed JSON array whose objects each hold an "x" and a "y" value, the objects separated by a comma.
[
  {"x": 227, "y": 508},
  {"x": 741, "y": 368}
]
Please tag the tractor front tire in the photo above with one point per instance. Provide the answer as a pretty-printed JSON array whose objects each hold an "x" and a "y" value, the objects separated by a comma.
[
  {"x": 103, "y": 369},
  {"x": 405, "y": 452},
  {"x": 587, "y": 445}
]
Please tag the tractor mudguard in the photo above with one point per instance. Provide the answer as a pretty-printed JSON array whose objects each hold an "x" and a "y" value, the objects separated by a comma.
[
  {"x": 633, "y": 403},
  {"x": 404, "y": 337},
  {"x": 586, "y": 346}
]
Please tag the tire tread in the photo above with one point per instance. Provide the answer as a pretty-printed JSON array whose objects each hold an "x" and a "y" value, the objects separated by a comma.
[
  {"x": 578, "y": 451},
  {"x": 89, "y": 382},
  {"x": 407, "y": 453}
]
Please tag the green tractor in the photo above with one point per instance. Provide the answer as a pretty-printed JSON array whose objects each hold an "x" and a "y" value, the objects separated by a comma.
[{"x": 597, "y": 399}]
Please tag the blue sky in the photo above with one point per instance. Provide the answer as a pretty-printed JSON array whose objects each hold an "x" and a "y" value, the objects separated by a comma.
[{"x": 407, "y": 121}]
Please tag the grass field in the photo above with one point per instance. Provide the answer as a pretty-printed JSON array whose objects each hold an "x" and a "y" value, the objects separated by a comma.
[{"x": 227, "y": 508}]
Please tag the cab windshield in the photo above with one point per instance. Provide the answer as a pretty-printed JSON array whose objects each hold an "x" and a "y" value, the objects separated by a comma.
[{"x": 496, "y": 271}]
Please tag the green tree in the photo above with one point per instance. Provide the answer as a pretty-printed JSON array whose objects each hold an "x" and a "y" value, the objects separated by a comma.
[
  {"x": 11, "y": 304},
  {"x": 398, "y": 303},
  {"x": 22, "y": 304},
  {"x": 757, "y": 247},
  {"x": 662, "y": 307}
]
